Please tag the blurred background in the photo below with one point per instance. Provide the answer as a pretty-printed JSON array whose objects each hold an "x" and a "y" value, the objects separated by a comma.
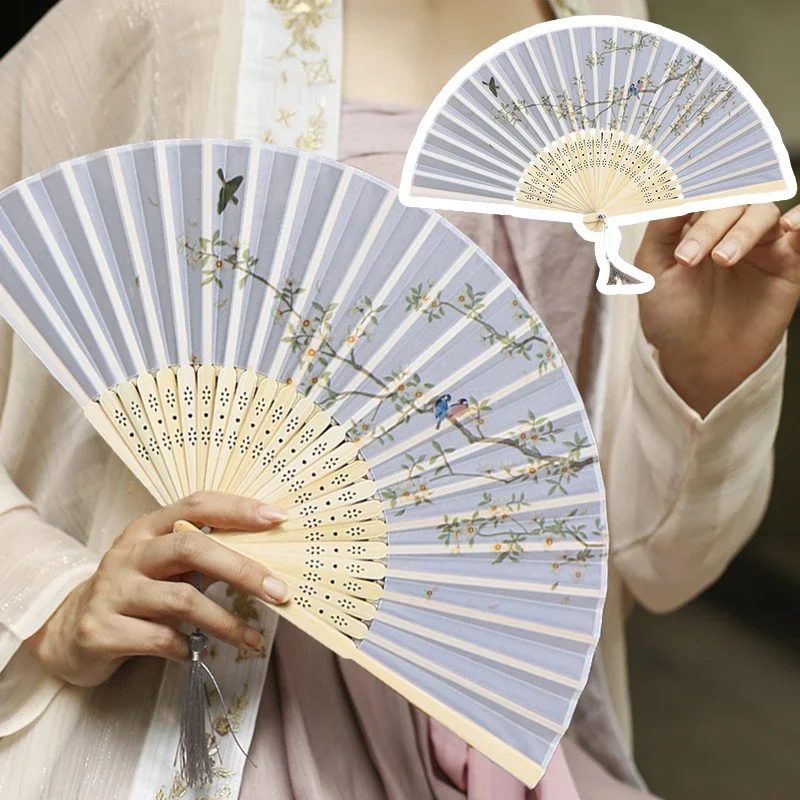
[{"x": 716, "y": 685}]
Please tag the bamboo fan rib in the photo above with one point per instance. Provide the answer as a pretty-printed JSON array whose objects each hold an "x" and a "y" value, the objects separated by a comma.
[
  {"x": 237, "y": 317},
  {"x": 626, "y": 174},
  {"x": 598, "y": 121}
]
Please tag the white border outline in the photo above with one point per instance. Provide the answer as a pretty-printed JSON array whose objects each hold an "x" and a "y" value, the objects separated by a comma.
[{"x": 603, "y": 255}]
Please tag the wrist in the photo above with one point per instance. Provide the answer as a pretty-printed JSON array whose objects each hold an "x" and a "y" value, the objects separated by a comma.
[
  {"x": 696, "y": 384},
  {"x": 704, "y": 382},
  {"x": 700, "y": 399},
  {"x": 51, "y": 645}
]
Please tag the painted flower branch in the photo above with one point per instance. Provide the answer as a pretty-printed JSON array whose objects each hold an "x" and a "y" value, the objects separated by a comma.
[
  {"x": 470, "y": 304},
  {"x": 309, "y": 333},
  {"x": 440, "y": 463},
  {"x": 681, "y": 73},
  {"x": 507, "y": 527}
]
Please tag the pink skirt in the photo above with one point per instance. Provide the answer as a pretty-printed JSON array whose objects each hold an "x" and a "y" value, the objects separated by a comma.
[{"x": 327, "y": 730}]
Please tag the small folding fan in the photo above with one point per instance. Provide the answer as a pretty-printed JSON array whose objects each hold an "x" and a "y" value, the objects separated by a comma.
[
  {"x": 599, "y": 121},
  {"x": 244, "y": 318}
]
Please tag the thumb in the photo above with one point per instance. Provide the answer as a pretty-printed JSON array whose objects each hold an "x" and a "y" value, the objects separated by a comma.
[{"x": 661, "y": 237}]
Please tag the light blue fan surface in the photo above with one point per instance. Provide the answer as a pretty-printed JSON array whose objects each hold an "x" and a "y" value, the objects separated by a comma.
[{"x": 313, "y": 273}]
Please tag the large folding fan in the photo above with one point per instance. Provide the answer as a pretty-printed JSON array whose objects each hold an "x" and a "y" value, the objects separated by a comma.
[
  {"x": 600, "y": 121},
  {"x": 240, "y": 317}
]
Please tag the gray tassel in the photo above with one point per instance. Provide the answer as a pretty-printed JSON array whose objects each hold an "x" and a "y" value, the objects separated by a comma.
[
  {"x": 195, "y": 746},
  {"x": 616, "y": 277},
  {"x": 194, "y": 752}
]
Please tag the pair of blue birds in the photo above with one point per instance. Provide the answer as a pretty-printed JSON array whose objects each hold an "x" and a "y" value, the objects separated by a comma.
[
  {"x": 442, "y": 408},
  {"x": 635, "y": 88}
]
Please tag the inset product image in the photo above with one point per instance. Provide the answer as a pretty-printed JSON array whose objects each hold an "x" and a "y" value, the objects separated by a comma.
[{"x": 599, "y": 121}]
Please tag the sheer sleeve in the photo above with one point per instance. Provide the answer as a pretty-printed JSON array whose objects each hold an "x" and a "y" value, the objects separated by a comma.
[
  {"x": 685, "y": 492},
  {"x": 39, "y": 567},
  {"x": 39, "y": 564}
]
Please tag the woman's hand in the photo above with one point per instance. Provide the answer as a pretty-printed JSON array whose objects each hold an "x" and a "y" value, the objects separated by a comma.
[
  {"x": 727, "y": 285},
  {"x": 139, "y": 593}
]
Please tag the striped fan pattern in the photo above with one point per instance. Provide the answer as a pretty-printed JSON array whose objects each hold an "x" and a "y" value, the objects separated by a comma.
[
  {"x": 596, "y": 120},
  {"x": 239, "y": 317}
]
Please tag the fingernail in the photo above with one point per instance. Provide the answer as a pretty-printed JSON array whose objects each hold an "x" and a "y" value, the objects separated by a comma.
[
  {"x": 687, "y": 251},
  {"x": 271, "y": 514},
  {"x": 275, "y": 589},
  {"x": 792, "y": 219},
  {"x": 252, "y": 638},
  {"x": 726, "y": 251}
]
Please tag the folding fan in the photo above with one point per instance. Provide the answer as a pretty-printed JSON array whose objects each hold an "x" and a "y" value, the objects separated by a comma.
[
  {"x": 599, "y": 121},
  {"x": 240, "y": 317}
]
